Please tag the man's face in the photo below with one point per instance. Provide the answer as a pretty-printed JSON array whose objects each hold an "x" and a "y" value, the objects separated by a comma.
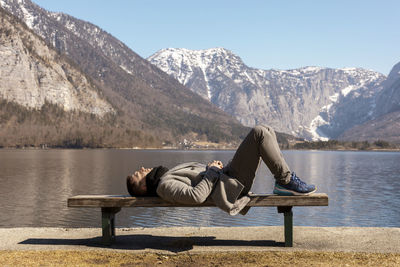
[{"x": 139, "y": 177}]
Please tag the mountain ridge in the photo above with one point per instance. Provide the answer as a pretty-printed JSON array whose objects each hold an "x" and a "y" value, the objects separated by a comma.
[
  {"x": 299, "y": 101},
  {"x": 144, "y": 97}
]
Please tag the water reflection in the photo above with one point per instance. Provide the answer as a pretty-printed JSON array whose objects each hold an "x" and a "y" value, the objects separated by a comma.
[{"x": 362, "y": 186}]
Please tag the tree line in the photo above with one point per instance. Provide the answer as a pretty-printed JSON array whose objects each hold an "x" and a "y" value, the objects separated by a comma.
[
  {"x": 345, "y": 145},
  {"x": 52, "y": 126}
]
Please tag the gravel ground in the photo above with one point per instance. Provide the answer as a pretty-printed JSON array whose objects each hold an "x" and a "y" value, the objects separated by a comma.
[
  {"x": 205, "y": 246},
  {"x": 248, "y": 258}
]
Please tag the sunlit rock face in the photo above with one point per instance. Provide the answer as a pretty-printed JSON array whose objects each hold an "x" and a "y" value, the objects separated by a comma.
[{"x": 32, "y": 73}]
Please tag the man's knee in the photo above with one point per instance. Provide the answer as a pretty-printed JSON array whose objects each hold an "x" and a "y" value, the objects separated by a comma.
[{"x": 263, "y": 130}]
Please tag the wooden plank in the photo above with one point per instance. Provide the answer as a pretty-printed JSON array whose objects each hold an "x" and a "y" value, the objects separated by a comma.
[
  {"x": 95, "y": 201},
  {"x": 317, "y": 199}
]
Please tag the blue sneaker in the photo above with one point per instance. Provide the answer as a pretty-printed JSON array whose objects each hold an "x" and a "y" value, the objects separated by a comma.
[{"x": 295, "y": 187}]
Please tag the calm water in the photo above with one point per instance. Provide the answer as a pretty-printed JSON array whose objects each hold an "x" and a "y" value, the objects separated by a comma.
[{"x": 363, "y": 188}]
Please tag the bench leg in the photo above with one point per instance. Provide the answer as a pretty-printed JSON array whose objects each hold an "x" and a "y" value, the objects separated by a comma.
[
  {"x": 108, "y": 224},
  {"x": 288, "y": 218}
]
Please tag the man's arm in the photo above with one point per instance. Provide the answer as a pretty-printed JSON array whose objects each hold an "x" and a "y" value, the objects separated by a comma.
[{"x": 176, "y": 191}]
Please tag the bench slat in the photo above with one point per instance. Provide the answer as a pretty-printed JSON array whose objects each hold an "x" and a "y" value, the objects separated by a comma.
[{"x": 257, "y": 200}]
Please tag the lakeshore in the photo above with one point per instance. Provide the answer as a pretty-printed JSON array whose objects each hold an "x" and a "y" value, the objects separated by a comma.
[
  {"x": 222, "y": 148},
  {"x": 202, "y": 246}
]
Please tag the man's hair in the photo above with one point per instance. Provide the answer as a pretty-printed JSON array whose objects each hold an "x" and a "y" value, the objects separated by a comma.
[{"x": 133, "y": 186}]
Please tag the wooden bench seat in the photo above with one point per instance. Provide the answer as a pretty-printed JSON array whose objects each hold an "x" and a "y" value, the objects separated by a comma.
[{"x": 111, "y": 204}]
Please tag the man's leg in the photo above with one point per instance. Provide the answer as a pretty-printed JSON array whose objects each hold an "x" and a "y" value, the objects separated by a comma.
[{"x": 260, "y": 143}]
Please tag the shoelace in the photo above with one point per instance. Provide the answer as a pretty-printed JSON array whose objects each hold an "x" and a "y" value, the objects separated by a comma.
[{"x": 297, "y": 179}]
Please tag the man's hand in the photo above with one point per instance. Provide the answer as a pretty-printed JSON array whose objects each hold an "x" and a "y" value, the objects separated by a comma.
[{"x": 216, "y": 163}]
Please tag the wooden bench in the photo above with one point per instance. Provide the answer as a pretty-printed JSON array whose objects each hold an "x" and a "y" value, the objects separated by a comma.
[{"x": 111, "y": 204}]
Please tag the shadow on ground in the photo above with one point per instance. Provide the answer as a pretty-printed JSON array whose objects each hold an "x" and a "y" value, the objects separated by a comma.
[{"x": 141, "y": 242}]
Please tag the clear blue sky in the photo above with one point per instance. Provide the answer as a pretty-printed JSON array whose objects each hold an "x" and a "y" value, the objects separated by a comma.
[{"x": 279, "y": 34}]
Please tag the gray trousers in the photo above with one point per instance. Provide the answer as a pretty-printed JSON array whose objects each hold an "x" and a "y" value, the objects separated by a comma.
[{"x": 259, "y": 144}]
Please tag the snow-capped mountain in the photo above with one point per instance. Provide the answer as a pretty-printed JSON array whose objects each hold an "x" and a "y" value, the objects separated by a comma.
[{"x": 311, "y": 102}]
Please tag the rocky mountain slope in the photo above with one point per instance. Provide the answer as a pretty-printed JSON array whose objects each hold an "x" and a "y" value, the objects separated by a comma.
[
  {"x": 385, "y": 124},
  {"x": 389, "y": 98},
  {"x": 385, "y": 127},
  {"x": 144, "y": 97},
  {"x": 310, "y": 102},
  {"x": 45, "y": 100},
  {"x": 31, "y": 73}
]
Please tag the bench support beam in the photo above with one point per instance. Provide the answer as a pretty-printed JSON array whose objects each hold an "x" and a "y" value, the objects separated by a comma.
[
  {"x": 288, "y": 220},
  {"x": 108, "y": 224}
]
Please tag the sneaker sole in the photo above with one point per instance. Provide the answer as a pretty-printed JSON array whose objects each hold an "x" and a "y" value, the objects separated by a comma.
[{"x": 286, "y": 192}]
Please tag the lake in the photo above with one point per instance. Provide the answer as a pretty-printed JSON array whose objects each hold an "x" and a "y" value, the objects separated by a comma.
[{"x": 363, "y": 188}]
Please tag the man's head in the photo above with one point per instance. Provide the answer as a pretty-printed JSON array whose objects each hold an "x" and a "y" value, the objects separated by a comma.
[{"x": 136, "y": 182}]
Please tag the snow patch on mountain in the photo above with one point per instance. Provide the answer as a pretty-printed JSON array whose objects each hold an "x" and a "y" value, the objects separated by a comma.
[
  {"x": 3, "y": 3},
  {"x": 28, "y": 16},
  {"x": 125, "y": 69},
  {"x": 313, "y": 129},
  {"x": 347, "y": 90},
  {"x": 334, "y": 97}
]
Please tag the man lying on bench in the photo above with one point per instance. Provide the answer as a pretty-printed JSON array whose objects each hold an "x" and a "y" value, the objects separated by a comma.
[{"x": 228, "y": 187}]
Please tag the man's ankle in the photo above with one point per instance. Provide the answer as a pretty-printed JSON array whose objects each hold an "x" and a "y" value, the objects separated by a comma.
[{"x": 285, "y": 179}]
